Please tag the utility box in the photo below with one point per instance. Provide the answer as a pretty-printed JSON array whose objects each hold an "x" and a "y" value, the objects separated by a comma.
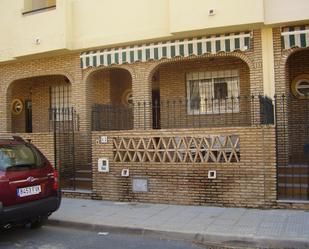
[
  {"x": 103, "y": 164},
  {"x": 212, "y": 174}
]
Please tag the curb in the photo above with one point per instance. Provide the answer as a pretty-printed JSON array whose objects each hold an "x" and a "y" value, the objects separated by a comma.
[{"x": 214, "y": 240}]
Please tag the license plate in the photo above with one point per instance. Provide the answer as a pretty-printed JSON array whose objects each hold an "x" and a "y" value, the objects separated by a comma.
[{"x": 28, "y": 191}]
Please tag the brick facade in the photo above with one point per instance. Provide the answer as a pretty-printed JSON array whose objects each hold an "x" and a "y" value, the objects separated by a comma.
[
  {"x": 67, "y": 65},
  {"x": 173, "y": 88},
  {"x": 292, "y": 116},
  {"x": 249, "y": 183},
  {"x": 298, "y": 113},
  {"x": 38, "y": 91}
]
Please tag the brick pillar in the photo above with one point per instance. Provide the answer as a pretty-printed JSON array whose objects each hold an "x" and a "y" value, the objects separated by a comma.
[
  {"x": 281, "y": 88},
  {"x": 4, "y": 114},
  {"x": 256, "y": 76},
  {"x": 142, "y": 97}
]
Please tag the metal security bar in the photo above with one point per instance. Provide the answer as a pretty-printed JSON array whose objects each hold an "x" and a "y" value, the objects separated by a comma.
[
  {"x": 171, "y": 114},
  {"x": 64, "y": 123},
  {"x": 112, "y": 117},
  {"x": 63, "y": 119},
  {"x": 266, "y": 110},
  {"x": 292, "y": 130}
]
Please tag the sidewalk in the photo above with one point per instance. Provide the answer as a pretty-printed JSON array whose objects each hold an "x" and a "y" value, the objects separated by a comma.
[{"x": 230, "y": 226}]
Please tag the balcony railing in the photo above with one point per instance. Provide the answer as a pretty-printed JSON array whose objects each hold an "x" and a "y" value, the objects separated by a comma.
[{"x": 173, "y": 114}]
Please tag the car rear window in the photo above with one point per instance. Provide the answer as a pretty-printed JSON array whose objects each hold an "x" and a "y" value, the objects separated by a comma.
[{"x": 18, "y": 157}]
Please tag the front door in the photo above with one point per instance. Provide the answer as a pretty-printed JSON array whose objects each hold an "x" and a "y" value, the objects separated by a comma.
[{"x": 28, "y": 117}]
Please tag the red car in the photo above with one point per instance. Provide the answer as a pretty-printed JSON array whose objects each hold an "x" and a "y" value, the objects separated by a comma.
[{"x": 29, "y": 190}]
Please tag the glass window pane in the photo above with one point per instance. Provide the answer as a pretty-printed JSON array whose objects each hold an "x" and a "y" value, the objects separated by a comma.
[{"x": 208, "y": 89}]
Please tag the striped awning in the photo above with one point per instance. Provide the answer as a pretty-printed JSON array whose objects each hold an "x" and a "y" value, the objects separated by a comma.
[
  {"x": 295, "y": 37},
  {"x": 168, "y": 49}
]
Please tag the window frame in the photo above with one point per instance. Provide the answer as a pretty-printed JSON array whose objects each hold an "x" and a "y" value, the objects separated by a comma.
[
  {"x": 295, "y": 85},
  {"x": 218, "y": 106},
  {"x": 39, "y": 9}
]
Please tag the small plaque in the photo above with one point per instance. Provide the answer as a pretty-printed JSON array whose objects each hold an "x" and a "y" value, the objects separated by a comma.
[
  {"x": 103, "y": 139},
  {"x": 140, "y": 185}
]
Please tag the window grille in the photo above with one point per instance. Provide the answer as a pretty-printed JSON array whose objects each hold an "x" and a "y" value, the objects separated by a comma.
[
  {"x": 60, "y": 102},
  {"x": 213, "y": 92}
]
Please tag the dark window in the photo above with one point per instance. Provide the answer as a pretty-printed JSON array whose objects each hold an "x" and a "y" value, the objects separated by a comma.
[{"x": 220, "y": 90}]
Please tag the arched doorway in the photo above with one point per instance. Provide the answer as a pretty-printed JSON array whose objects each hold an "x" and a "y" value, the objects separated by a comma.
[
  {"x": 41, "y": 106},
  {"x": 32, "y": 99},
  {"x": 201, "y": 92},
  {"x": 293, "y": 125},
  {"x": 111, "y": 99}
]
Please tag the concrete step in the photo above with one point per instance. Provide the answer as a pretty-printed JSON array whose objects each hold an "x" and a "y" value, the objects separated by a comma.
[{"x": 84, "y": 183}]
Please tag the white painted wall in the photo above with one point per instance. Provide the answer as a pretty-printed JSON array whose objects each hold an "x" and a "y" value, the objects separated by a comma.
[
  {"x": 88, "y": 24},
  {"x": 193, "y": 15},
  {"x": 268, "y": 62},
  {"x": 18, "y": 31},
  {"x": 285, "y": 11},
  {"x": 104, "y": 22}
]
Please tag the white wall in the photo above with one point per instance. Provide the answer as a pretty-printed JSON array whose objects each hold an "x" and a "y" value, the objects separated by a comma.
[
  {"x": 87, "y": 24},
  {"x": 284, "y": 11},
  {"x": 18, "y": 31},
  {"x": 193, "y": 15},
  {"x": 103, "y": 22}
]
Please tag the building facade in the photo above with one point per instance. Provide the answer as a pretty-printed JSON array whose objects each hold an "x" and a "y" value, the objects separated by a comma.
[{"x": 172, "y": 101}]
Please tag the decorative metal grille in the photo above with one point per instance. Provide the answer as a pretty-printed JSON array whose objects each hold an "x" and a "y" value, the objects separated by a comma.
[
  {"x": 178, "y": 149},
  {"x": 171, "y": 114}
]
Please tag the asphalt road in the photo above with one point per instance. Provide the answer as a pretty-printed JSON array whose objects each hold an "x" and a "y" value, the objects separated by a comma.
[{"x": 49, "y": 237}]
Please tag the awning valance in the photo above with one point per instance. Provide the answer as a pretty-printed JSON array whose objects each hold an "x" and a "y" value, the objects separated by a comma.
[
  {"x": 168, "y": 49},
  {"x": 295, "y": 37}
]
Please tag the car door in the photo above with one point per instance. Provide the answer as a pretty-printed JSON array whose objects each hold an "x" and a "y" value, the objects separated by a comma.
[{"x": 25, "y": 174}]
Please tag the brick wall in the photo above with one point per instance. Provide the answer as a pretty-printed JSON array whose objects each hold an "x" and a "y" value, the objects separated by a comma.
[
  {"x": 37, "y": 90},
  {"x": 108, "y": 87},
  {"x": 173, "y": 87},
  {"x": 292, "y": 115},
  {"x": 298, "y": 110},
  {"x": 290, "y": 121},
  {"x": 39, "y": 74},
  {"x": 65, "y": 65},
  {"x": 249, "y": 183}
]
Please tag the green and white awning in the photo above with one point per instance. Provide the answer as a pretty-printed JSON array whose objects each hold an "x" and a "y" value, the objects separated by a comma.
[
  {"x": 168, "y": 49},
  {"x": 295, "y": 37}
]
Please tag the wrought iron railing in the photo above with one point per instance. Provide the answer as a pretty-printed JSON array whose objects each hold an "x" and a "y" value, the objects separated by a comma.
[
  {"x": 171, "y": 114},
  {"x": 63, "y": 119},
  {"x": 292, "y": 135}
]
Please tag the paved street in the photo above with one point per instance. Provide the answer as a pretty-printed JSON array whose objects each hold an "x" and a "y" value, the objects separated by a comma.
[
  {"x": 65, "y": 238},
  {"x": 229, "y": 226}
]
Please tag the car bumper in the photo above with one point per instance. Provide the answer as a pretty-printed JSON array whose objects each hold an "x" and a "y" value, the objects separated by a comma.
[{"x": 26, "y": 211}]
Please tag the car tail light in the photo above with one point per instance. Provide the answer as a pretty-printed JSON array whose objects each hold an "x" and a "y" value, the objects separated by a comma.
[{"x": 56, "y": 180}]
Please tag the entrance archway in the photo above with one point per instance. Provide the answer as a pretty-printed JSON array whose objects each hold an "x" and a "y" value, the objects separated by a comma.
[
  {"x": 111, "y": 99},
  {"x": 31, "y": 100},
  {"x": 293, "y": 129}
]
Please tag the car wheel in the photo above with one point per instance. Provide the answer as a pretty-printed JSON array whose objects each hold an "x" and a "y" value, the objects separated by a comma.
[{"x": 38, "y": 222}]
